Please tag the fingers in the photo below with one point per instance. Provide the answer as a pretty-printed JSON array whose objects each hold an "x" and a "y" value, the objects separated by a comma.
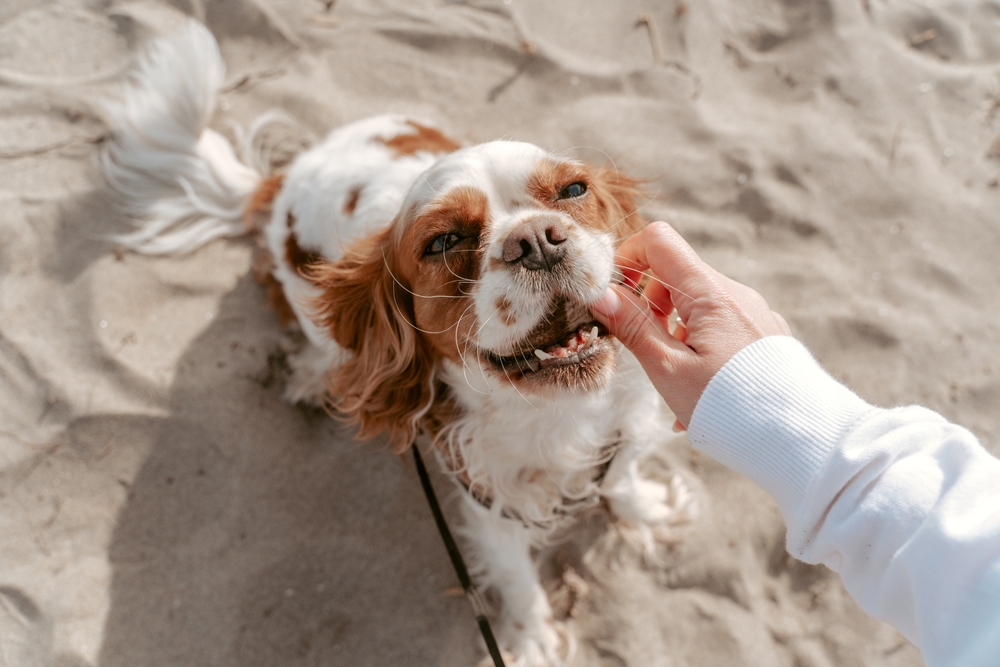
[
  {"x": 681, "y": 333},
  {"x": 674, "y": 263},
  {"x": 718, "y": 316},
  {"x": 658, "y": 297},
  {"x": 642, "y": 330},
  {"x": 671, "y": 365}
]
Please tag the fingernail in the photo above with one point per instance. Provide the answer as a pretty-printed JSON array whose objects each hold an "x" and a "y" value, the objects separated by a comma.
[{"x": 608, "y": 303}]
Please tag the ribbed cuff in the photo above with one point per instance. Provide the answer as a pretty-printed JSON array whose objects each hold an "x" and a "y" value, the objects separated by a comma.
[{"x": 773, "y": 414}]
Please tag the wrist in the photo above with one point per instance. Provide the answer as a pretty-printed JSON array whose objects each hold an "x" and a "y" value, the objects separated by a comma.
[{"x": 773, "y": 414}]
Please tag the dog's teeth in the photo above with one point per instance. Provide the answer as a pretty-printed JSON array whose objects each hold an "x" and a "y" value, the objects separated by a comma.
[{"x": 543, "y": 355}]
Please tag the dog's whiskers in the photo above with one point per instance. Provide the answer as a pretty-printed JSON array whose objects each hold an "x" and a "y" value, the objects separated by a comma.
[
  {"x": 657, "y": 279},
  {"x": 464, "y": 351}
]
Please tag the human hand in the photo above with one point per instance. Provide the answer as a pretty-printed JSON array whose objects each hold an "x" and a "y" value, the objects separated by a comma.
[{"x": 720, "y": 316}]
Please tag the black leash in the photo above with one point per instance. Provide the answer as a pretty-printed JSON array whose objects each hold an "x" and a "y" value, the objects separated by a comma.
[{"x": 471, "y": 594}]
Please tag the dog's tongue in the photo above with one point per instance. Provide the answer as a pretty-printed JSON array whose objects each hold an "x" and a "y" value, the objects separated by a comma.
[{"x": 578, "y": 342}]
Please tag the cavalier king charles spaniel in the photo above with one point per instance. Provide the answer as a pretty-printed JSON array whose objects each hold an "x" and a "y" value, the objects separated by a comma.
[{"x": 442, "y": 292}]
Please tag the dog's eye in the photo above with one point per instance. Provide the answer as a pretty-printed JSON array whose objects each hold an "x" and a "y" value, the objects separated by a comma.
[
  {"x": 573, "y": 190},
  {"x": 441, "y": 243}
]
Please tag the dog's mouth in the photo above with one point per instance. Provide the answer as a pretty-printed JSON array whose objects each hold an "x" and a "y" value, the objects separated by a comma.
[
  {"x": 573, "y": 347},
  {"x": 567, "y": 341}
]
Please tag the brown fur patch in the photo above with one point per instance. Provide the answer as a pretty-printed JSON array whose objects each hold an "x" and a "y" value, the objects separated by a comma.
[
  {"x": 388, "y": 383},
  {"x": 255, "y": 216},
  {"x": 261, "y": 267},
  {"x": 351, "y": 203},
  {"x": 276, "y": 300},
  {"x": 463, "y": 211},
  {"x": 504, "y": 306},
  {"x": 618, "y": 201},
  {"x": 296, "y": 255},
  {"x": 608, "y": 205},
  {"x": 256, "y": 212},
  {"x": 300, "y": 257},
  {"x": 441, "y": 283},
  {"x": 550, "y": 177},
  {"x": 423, "y": 139}
]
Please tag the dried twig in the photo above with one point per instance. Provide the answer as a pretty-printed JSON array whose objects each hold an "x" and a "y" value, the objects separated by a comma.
[
  {"x": 923, "y": 37},
  {"x": 654, "y": 36},
  {"x": 40, "y": 150},
  {"x": 250, "y": 76},
  {"x": 27, "y": 443},
  {"x": 325, "y": 21}
]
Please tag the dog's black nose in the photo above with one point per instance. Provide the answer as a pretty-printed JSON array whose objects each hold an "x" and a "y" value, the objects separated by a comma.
[{"x": 537, "y": 243}]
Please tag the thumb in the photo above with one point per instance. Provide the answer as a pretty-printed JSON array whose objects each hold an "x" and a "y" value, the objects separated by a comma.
[{"x": 630, "y": 320}]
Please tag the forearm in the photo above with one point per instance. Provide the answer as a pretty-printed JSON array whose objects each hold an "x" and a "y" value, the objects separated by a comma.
[{"x": 905, "y": 506}]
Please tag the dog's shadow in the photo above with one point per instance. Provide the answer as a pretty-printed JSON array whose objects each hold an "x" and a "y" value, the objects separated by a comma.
[{"x": 260, "y": 534}]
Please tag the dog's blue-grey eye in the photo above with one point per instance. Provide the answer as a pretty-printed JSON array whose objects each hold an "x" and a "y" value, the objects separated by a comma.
[
  {"x": 573, "y": 190},
  {"x": 441, "y": 243}
]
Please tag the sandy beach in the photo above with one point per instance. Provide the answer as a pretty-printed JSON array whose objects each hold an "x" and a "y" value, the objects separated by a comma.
[{"x": 161, "y": 506}]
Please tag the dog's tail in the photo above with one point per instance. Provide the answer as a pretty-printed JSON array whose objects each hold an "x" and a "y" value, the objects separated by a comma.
[{"x": 180, "y": 180}]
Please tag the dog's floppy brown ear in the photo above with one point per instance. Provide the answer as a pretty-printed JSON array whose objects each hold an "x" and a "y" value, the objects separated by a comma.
[
  {"x": 618, "y": 199},
  {"x": 387, "y": 384}
]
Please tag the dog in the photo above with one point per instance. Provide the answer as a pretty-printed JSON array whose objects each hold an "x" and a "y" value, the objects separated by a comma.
[{"x": 442, "y": 292}]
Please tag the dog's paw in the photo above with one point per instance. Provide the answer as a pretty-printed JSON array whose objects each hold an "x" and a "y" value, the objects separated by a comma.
[
  {"x": 654, "y": 513},
  {"x": 307, "y": 382},
  {"x": 530, "y": 637},
  {"x": 545, "y": 644}
]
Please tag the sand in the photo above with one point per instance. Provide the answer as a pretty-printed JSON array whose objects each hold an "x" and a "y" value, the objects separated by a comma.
[{"x": 161, "y": 506}]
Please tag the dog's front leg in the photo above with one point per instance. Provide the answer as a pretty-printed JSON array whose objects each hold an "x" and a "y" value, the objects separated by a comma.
[
  {"x": 499, "y": 554},
  {"x": 310, "y": 366}
]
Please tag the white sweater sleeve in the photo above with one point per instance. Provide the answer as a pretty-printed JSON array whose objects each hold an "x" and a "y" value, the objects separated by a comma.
[{"x": 904, "y": 505}]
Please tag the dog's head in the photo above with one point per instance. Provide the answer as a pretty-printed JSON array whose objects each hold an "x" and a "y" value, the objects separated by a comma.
[{"x": 485, "y": 273}]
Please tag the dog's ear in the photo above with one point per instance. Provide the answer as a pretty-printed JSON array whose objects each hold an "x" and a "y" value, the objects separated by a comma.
[
  {"x": 387, "y": 383},
  {"x": 618, "y": 200}
]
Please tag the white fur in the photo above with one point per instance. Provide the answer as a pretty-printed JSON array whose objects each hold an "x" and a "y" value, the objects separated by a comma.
[
  {"x": 181, "y": 180},
  {"x": 531, "y": 453}
]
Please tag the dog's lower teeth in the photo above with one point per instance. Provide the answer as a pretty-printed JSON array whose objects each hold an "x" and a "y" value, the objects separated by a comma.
[{"x": 574, "y": 346}]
